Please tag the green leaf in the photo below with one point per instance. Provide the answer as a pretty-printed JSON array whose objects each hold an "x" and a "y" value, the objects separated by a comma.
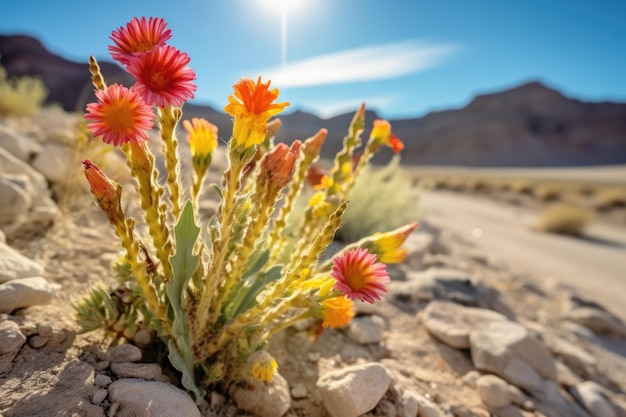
[
  {"x": 217, "y": 189},
  {"x": 184, "y": 263},
  {"x": 246, "y": 296}
]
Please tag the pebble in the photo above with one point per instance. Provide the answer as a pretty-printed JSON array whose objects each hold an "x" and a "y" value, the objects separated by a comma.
[
  {"x": 354, "y": 390},
  {"x": 589, "y": 393},
  {"x": 493, "y": 391},
  {"x": 410, "y": 404},
  {"x": 123, "y": 353},
  {"x": 11, "y": 341},
  {"x": 99, "y": 395},
  {"x": 25, "y": 292},
  {"x": 299, "y": 391},
  {"x": 147, "y": 371},
  {"x": 271, "y": 400},
  {"x": 139, "y": 398},
  {"x": 367, "y": 329},
  {"x": 37, "y": 341},
  {"x": 102, "y": 380}
]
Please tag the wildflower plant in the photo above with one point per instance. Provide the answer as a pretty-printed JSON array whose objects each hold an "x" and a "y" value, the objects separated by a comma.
[{"x": 215, "y": 293}]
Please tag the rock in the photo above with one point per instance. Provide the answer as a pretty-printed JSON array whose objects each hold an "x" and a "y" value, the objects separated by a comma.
[
  {"x": 99, "y": 395},
  {"x": 599, "y": 321},
  {"x": 589, "y": 393},
  {"x": 299, "y": 391},
  {"x": 17, "y": 144},
  {"x": 57, "y": 125},
  {"x": 14, "y": 202},
  {"x": 54, "y": 162},
  {"x": 418, "y": 244},
  {"x": 15, "y": 265},
  {"x": 102, "y": 380},
  {"x": 123, "y": 353},
  {"x": 37, "y": 342},
  {"x": 452, "y": 323},
  {"x": 437, "y": 283},
  {"x": 410, "y": 404},
  {"x": 427, "y": 409},
  {"x": 493, "y": 391},
  {"x": 573, "y": 356},
  {"x": 367, "y": 329},
  {"x": 470, "y": 378},
  {"x": 11, "y": 341},
  {"x": 138, "y": 398},
  {"x": 507, "y": 349},
  {"x": 9, "y": 164},
  {"x": 147, "y": 371},
  {"x": 25, "y": 292},
  {"x": 354, "y": 390},
  {"x": 271, "y": 400}
]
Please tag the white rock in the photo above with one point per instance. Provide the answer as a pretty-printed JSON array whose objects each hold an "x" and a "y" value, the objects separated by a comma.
[
  {"x": 504, "y": 345},
  {"x": 589, "y": 393},
  {"x": 19, "y": 145},
  {"x": 11, "y": 341},
  {"x": 54, "y": 162},
  {"x": 355, "y": 390},
  {"x": 15, "y": 265},
  {"x": 427, "y": 409},
  {"x": 271, "y": 400},
  {"x": 572, "y": 355},
  {"x": 410, "y": 404},
  {"x": 14, "y": 202},
  {"x": 452, "y": 323},
  {"x": 147, "y": 371},
  {"x": 138, "y": 398},
  {"x": 25, "y": 292},
  {"x": 493, "y": 391},
  {"x": 58, "y": 125},
  {"x": 9, "y": 164},
  {"x": 599, "y": 321},
  {"x": 367, "y": 329},
  {"x": 123, "y": 353}
]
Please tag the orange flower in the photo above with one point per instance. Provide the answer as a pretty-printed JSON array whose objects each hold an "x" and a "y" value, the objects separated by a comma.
[
  {"x": 120, "y": 115},
  {"x": 359, "y": 276},
  {"x": 163, "y": 77},
  {"x": 337, "y": 312},
  {"x": 137, "y": 37},
  {"x": 202, "y": 136},
  {"x": 279, "y": 163},
  {"x": 252, "y": 106},
  {"x": 106, "y": 192},
  {"x": 381, "y": 133}
]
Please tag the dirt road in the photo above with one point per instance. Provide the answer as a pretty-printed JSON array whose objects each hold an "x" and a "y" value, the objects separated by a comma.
[{"x": 594, "y": 265}]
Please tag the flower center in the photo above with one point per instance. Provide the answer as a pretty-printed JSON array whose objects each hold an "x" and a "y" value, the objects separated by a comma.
[
  {"x": 119, "y": 118},
  {"x": 355, "y": 277}
]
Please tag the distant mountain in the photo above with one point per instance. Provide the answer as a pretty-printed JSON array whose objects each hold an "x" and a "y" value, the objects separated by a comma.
[{"x": 530, "y": 125}]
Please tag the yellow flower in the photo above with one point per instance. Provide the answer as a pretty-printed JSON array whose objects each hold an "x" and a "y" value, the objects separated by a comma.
[
  {"x": 202, "y": 136},
  {"x": 337, "y": 312},
  {"x": 320, "y": 207},
  {"x": 382, "y": 134},
  {"x": 264, "y": 366},
  {"x": 252, "y": 106},
  {"x": 325, "y": 183},
  {"x": 387, "y": 245},
  {"x": 322, "y": 283}
]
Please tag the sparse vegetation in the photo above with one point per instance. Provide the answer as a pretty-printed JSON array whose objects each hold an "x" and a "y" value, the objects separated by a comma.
[
  {"x": 610, "y": 197},
  {"x": 546, "y": 192},
  {"x": 21, "y": 96},
  {"x": 565, "y": 218},
  {"x": 382, "y": 199}
]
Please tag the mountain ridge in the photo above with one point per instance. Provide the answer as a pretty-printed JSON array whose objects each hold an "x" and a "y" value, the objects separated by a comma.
[{"x": 528, "y": 125}]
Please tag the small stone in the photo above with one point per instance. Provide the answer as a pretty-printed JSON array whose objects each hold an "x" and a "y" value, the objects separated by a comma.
[
  {"x": 367, "y": 329},
  {"x": 410, "y": 404},
  {"x": 102, "y": 380},
  {"x": 298, "y": 391},
  {"x": 44, "y": 330},
  {"x": 147, "y": 371},
  {"x": 589, "y": 393},
  {"x": 427, "y": 409},
  {"x": 355, "y": 390},
  {"x": 14, "y": 202},
  {"x": 15, "y": 265},
  {"x": 143, "y": 338},
  {"x": 452, "y": 323},
  {"x": 101, "y": 366},
  {"x": 25, "y": 292},
  {"x": 314, "y": 356},
  {"x": 470, "y": 378},
  {"x": 11, "y": 341},
  {"x": 99, "y": 395},
  {"x": 271, "y": 400},
  {"x": 54, "y": 162},
  {"x": 493, "y": 391},
  {"x": 37, "y": 341},
  {"x": 123, "y": 353},
  {"x": 141, "y": 398},
  {"x": 217, "y": 399}
]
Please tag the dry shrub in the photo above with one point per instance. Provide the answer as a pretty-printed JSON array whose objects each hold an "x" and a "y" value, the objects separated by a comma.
[
  {"x": 547, "y": 192},
  {"x": 610, "y": 197},
  {"x": 565, "y": 218},
  {"x": 21, "y": 96},
  {"x": 521, "y": 186}
]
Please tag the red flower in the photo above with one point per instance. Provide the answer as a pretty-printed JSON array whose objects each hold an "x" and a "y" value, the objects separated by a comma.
[
  {"x": 359, "y": 276},
  {"x": 163, "y": 77},
  {"x": 120, "y": 115},
  {"x": 137, "y": 37}
]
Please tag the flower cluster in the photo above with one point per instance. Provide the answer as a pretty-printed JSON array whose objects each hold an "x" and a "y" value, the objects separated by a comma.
[{"x": 215, "y": 296}]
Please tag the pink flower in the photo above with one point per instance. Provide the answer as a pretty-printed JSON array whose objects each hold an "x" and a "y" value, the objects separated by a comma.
[
  {"x": 120, "y": 115},
  {"x": 137, "y": 37},
  {"x": 163, "y": 77},
  {"x": 359, "y": 276}
]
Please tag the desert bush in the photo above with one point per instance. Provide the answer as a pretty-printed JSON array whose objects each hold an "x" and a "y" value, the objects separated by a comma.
[
  {"x": 382, "y": 199},
  {"x": 610, "y": 197},
  {"x": 546, "y": 192},
  {"x": 565, "y": 218},
  {"x": 21, "y": 96},
  {"x": 521, "y": 186}
]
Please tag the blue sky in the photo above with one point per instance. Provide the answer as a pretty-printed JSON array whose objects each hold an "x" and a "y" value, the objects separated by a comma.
[{"x": 404, "y": 58}]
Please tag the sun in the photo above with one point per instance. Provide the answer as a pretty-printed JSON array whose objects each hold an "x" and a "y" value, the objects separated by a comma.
[{"x": 284, "y": 6}]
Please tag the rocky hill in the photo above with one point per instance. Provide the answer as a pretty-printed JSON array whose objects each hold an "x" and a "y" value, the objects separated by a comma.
[{"x": 530, "y": 125}]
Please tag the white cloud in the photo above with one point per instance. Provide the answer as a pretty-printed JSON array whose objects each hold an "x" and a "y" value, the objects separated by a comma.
[
  {"x": 330, "y": 109},
  {"x": 361, "y": 64}
]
